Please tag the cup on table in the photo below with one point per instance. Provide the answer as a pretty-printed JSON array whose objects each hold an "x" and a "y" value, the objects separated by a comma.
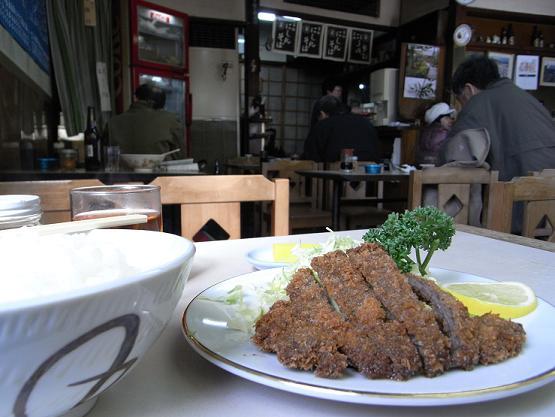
[
  {"x": 111, "y": 158},
  {"x": 118, "y": 200},
  {"x": 373, "y": 168}
]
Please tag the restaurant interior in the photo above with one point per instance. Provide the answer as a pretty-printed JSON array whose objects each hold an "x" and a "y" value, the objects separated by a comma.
[{"x": 175, "y": 239}]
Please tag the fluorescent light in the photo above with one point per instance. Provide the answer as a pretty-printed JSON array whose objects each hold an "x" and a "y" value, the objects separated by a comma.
[
  {"x": 267, "y": 17},
  {"x": 294, "y": 18}
]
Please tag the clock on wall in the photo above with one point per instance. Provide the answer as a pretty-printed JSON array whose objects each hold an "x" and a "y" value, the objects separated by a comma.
[{"x": 462, "y": 35}]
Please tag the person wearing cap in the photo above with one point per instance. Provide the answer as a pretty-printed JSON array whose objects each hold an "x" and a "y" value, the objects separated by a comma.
[
  {"x": 439, "y": 121},
  {"x": 520, "y": 129}
]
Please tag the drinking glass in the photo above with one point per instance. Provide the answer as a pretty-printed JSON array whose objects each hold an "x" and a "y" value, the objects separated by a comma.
[
  {"x": 118, "y": 200},
  {"x": 111, "y": 156}
]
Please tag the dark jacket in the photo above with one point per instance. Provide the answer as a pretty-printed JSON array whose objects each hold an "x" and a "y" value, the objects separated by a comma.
[
  {"x": 521, "y": 130},
  {"x": 346, "y": 130},
  {"x": 141, "y": 129}
]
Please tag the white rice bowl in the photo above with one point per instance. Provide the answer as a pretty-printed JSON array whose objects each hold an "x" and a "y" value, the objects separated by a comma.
[{"x": 77, "y": 312}]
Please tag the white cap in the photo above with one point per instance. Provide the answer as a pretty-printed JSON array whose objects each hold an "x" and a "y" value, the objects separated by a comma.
[{"x": 437, "y": 110}]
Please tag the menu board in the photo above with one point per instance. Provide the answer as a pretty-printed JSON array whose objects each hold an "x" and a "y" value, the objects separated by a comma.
[
  {"x": 25, "y": 21},
  {"x": 285, "y": 35},
  {"x": 335, "y": 43},
  {"x": 360, "y": 46},
  {"x": 310, "y": 43}
]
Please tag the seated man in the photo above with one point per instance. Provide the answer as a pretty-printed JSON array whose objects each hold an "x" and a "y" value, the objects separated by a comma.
[
  {"x": 145, "y": 128},
  {"x": 520, "y": 128},
  {"x": 337, "y": 130}
]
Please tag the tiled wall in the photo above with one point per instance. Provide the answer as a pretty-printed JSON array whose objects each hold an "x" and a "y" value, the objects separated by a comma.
[{"x": 289, "y": 94}]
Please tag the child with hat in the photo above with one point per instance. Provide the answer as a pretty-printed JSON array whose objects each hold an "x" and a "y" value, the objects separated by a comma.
[{"x": 439, "y": 121}]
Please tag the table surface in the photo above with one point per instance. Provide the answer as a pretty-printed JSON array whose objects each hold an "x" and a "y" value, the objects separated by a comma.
[
  {"x": 172, "y": 380},
  {"x": 355, "y": 175},
  {"x": 104, "y": 176}
]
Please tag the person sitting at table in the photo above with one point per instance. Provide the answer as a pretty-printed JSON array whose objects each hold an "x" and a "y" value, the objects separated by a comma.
[
  {"x": 439, "y": 122},
  {"x": 521, "y": 129},
  {"x": 331, "y": 88},
  {"x": 145, "y": 128},
  {"x": 338, "y": 129}
]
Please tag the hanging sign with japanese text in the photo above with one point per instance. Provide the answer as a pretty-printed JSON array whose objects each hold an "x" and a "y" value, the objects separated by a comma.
[
  {"x": 360, "y": 46},
  {"x": 310, "y": 42},
  {"x": 285, "y": 36},
  {"x": 335, "y": 43}
]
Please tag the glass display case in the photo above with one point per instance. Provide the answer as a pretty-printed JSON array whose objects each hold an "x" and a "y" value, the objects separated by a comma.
[{"x": 159, "y": 37}]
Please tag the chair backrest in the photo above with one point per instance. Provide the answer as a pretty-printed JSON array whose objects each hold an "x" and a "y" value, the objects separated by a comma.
[
  {"x": 218, "y": 198},
  {"x": 453, "y": 190},
  {"x": 301, "y": 190},
  {"x": 54, "y": 195},
  {"x": 537, "y": 193}
]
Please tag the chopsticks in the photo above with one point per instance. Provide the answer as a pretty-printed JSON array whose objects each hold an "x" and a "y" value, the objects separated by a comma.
[{"x": 84, "y": 225}]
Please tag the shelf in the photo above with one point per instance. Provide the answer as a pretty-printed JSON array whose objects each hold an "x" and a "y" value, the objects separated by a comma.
[{"x": 515, "y": 49}]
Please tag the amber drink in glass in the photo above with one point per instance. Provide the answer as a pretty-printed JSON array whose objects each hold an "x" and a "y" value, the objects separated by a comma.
[{"x": 118, "y": 200}]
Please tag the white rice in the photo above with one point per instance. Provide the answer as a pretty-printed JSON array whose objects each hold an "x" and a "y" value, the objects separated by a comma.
[{"x": 34, "y": 266}]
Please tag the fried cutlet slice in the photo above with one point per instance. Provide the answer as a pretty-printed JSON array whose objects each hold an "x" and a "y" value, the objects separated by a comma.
[
  {"x": 499, "y": 339},
  {"x": 455, "y": 322},
  {"x": 305, "y": 332},
  {"x": 401, "y": 304},
  {"x": 382, "y": 349}
]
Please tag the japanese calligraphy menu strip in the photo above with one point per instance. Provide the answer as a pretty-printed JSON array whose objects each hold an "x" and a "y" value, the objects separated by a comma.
[
  {"x": 360, "y": 46},
  {"x": 310, "y": 43},
  {"x": 285, "y": 36},
  {"x": 335, "y": 42}
]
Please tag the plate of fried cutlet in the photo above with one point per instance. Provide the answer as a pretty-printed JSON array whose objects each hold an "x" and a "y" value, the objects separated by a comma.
[{"x": 353, "y": 328}]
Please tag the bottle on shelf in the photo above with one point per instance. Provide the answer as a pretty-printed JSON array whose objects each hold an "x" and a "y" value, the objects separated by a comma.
[
  {"x": 504, "y": 38},
  {"x": 540, "y": 39},
  {"x": 93, "y": 143},
  {"x": 217, "y": 169},
  {"x": 510, "y": 35},
  {"x": 535, "y": 37}
]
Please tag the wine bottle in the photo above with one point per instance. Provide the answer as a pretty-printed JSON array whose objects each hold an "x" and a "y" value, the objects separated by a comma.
[
  {"x": 93, "y": 151},
  {"x": 510, "y": 35}
]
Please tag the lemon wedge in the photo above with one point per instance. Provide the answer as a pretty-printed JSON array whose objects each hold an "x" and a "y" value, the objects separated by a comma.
[
  {"x": 282, "y": 251},
  {"x": 508, "y": 299}
]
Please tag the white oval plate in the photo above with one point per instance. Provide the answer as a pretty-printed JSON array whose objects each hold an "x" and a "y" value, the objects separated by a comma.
[
  {"x": 204, "y": 324},
  {"x": 263, "y": 258}
]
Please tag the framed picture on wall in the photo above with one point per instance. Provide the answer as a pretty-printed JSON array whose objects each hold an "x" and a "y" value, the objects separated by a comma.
[
  {"x": 421, "y": 72},
  {"x": 547, "y": 76},
  {"x": 527, "y": 71},
  {"x": 421, "y": 79},
  {"x": 505, "y": 63}
]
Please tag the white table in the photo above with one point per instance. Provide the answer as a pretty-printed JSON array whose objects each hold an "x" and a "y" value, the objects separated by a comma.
[{"x": 174, "y": 381}]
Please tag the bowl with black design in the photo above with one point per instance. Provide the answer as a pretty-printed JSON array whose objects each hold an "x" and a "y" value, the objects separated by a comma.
[{"x": 78, "y": 312}]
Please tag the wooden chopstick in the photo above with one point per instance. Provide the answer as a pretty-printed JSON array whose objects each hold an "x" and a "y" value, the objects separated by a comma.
[{"x": 84, "y": 225}]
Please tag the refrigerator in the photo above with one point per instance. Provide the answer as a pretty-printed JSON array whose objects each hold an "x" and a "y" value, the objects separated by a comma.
[{"x": 160, "y": 55}]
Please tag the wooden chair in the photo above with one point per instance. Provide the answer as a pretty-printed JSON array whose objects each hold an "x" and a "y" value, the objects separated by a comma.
[
  {"x": 304, "y": 194},
  {"x": 218, "y": 197},
  {"x": 453, "y": 190},
  {"x": 537, "y": 194},
  {"x": 54, "y": 195}
]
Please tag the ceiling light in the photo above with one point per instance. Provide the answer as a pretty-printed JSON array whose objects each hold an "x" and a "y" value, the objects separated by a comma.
[{"x": 267, "y": 17}]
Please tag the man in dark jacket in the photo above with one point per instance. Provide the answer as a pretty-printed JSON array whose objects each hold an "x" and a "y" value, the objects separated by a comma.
[
  {"x": 521, "y": 129},
  {"x": 337, "y": 130}
]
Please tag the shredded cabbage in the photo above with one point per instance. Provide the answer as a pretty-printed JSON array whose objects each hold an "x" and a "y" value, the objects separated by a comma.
[{"x": 246, "y": 304}]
